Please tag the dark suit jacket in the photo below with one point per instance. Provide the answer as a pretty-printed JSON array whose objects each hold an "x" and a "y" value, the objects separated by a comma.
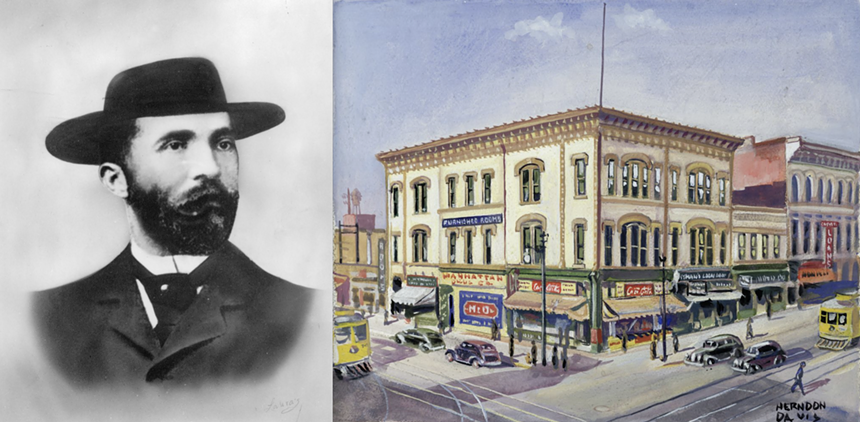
[{"x": 242, "y": 325}]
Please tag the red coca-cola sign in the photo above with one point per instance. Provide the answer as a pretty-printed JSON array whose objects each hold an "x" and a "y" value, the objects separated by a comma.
[
  {"x": 551, "y": 286},
  {"x": 480, "y": 309},
  {"x": 638, "y": 289}
]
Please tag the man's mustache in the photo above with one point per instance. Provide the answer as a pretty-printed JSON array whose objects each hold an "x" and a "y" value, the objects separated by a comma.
[{"x": 210, "y": 193}]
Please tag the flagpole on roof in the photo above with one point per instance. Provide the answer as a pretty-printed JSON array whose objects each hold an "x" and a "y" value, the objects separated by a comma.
[{"x": 602, "y": 46}]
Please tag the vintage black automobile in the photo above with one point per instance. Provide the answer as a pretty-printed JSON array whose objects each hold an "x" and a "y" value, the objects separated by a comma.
[
  {"x": 425, "y": 339},
  {"x": 718, "y": 348},
  {"x": 476, "y": 353},
  {"x": 759, "y": 357}
]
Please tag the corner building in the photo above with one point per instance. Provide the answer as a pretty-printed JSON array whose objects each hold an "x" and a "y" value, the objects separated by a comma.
[{"x": 614, "y": 192}]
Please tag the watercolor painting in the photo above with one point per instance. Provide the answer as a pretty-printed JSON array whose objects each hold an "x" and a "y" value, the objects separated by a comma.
[{"x": 596, "y": 211}]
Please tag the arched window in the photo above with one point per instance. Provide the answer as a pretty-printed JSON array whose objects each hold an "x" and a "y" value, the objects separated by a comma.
[
  {"x": 850, "y": 192},
  {"x": 452, "y": 247},
  {"x": 530, "y": 182},
  {"x": 795, "y": 189},
  {"x": 531, "y": 233},
  {"x": 419, "y": 245},
  {"x": 821, "y": 190},
  {"x": 807, "y": 193},
  {"x": 829, "y": 191},
  {"x": 839, "y": 194},
  {"x": 634, "y": 181},
  {"x": 634, "y": 244},
  {"x": 610, "y": 177},
  {"x": 701, "y": 246},
  {"x": 395, "y": 201},
  {"x": 699, "y": 187}
]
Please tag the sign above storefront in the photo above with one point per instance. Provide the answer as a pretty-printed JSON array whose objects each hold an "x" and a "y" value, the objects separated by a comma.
[
  {"x": 697, "y": 288},
  {"x": 691, "y": 275},
  {"x": 480, "y": 309},
  {"x": 639, "y": 289},
  {"x": 724, "y": 284},
  {"x": 420, "y": 281},
  {"x": 554, "y": 287},
  {"x": 472, "y": 221},
  {"x": 754, "y": 280},
  {"x": 466, "y": 279}
]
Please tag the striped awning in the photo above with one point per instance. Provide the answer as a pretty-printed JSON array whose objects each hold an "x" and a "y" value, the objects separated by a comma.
[
  {"x": 415, "y": 296},
  {"x": 572, "y": 306},
  {"x": 617, "y": 309},
  {"x": 733, "y": 295}
]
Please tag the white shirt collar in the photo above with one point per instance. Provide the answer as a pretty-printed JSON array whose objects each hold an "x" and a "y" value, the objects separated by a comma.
[{"x": 159, "y": 265}]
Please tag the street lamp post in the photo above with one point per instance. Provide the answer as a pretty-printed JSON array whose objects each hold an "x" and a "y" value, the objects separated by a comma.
[
  {"x": 540, "y": 248},
  {"x": 663, "y": 303}
]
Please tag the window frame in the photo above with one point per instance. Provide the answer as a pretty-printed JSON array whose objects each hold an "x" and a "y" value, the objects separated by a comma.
[
  {"x": 470, "y": 190},
  {"x": 530, "y": 192},
  {"x": 581, "y": 168},
  {"x": 395, "y": 201}
]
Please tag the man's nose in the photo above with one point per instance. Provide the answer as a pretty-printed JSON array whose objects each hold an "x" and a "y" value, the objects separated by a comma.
[{"x": 202, "y": 161}]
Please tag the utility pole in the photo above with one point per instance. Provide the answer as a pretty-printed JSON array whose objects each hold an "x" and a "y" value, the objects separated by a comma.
[
  {"x": 542, "y": 250},
  {"x": 663, "y": 304}
]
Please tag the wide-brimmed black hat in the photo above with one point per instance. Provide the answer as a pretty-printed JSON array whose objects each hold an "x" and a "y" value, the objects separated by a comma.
[{"x": 165, "y": 88}]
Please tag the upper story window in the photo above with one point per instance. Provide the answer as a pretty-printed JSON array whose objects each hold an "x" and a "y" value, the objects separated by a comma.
[
  {"x": 452, "y": 191},
  {"x": 634, "y": 181},
  {"x": 610, "y": 177},
  {"x": 658, "y": 179},
  {"x": 676, "y": 234},
  {"x": 742, "y": 246},
  {"x": 530, "y": 182},
  {"x": 634, "y": 244},
  {"x": 850, "y": 192},
  {"x": 821, "y": 190},
  {"x": 488, "y": 190},
  {"x": 753, "y": 246},
  {"x": 488, "y": 246},
  {"x": 419, "y": 246},
  {"x": 699, "y": 187},
  {"x": 395, "y": 201},
  {"x": 723, "y": 247},
  {"x": 607, "y": 245},
  {"x": 839, "y": 194},
  {"x": 794, "y": 236},
  {"x": 795, "y": 189},
  {"x": 579, "y": 240},
  {"x": 807, "y": 190},
  {"x": 470, "y": 190},
  {"x": 395, "y": 250},
  {"x": 419, "y": 192},
  {"x": 674, "y": 184},
  {"x": 657, "y": 245},
  {"x": 829, "y": 191},
  {"x": 776, "y": 246},
  {"x": 452, "y": 247},
  {"x": 468, "y": 251},
  {"x": 580, "y": 176},
  {"x": 722, "y": 187},
  {"x": 531, "y": 237},
  {"x": 701, "y": 246}
]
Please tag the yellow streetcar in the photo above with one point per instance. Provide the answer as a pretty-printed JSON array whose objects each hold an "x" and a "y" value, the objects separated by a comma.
[
  {"x": 351, "y": 345},
  {"x": 839, "y": 321}
]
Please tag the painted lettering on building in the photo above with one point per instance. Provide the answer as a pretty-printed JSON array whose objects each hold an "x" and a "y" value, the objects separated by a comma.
[
  {"x": 480, "y": 309},
  {"x": 639, "y": 289},
  {"x": 472, "y": 221},
  {"x": 466, "y": 279},
  {"x": 554, "y": 287},
  {"x": 828, "y": 241}
]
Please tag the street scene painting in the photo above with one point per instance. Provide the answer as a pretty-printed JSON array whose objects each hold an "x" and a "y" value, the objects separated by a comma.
[{"x": 596, "y": 211}]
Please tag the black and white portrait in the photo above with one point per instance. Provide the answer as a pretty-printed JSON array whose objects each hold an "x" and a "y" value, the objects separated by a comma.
[{"x": 166, "y": 210}]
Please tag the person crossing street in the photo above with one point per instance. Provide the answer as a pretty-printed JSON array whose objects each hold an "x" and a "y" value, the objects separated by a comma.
[{"x": 798, "y": 379}]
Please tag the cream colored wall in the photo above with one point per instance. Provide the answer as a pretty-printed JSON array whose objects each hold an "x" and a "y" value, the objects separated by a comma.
[{"x": 576, "y": 207}]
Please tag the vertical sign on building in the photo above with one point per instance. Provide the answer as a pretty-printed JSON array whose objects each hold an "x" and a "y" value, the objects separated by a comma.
[
  {"x": 380, "y": 276},
  {"x": 828, "y": 242}
]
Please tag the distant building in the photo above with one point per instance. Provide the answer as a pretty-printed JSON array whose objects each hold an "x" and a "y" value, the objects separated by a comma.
[
  {"x": 359, "y": 278},
  {"x": 614, "y": 191}
]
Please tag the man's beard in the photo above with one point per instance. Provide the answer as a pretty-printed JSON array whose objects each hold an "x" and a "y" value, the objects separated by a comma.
[{"x": 198, "y": 224}]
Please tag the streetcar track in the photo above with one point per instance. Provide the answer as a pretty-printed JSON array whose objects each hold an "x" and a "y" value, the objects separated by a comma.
[
  {"x": 384, "y": 394},
  {"x": 477, "y": 399},
  {"x": 500, "y": 394}
]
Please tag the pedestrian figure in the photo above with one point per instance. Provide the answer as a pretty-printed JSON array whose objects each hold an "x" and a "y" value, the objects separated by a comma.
[
  {"x": 653, "y": 346},
  {"x": 511, "y": 347},
  {"x": 624, "y": 339},
  {"x": 554, "y": 356},
  {"x": 675, "y": 345},
  {"x": 769, "y": 309},
  {"x": 749, "y": 329},
  {"x": 494, "y": 330},
  {"x": 799, "y": 303},
  {"x": 439, "y": 327},
  {"x": 386, "y": 317},
  {"x": 519, "y": 328},
  {"x": 534, "y": 353},
  {"x": 564, "y": 360},
  {"x": 798, "y": 379}
]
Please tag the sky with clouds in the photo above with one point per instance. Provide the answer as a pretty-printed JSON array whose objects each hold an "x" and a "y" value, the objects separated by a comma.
[{"x": 411, "y": 72}]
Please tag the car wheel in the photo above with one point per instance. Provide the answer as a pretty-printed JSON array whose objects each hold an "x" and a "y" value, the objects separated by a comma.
[
  {"x": 748, "y": 371},
  {"x": 711, "y": 361},
  {"x": 338, "y": 374},
  {"x": 779, "y": 360},
  {"x": 399, "y": 339},
  {"x": 424, "y": 347},
  {"x": 449, "y": 356},
  {"x": 475, "y": 363}
]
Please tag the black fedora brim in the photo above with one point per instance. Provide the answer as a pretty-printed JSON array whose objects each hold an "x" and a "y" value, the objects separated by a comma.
[{"x": 79, "y": 140}]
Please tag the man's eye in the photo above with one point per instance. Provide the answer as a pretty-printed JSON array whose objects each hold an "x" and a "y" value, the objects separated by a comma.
[
  {"x": 174, "y": 145},
  {"x": 226, "y": 144}
]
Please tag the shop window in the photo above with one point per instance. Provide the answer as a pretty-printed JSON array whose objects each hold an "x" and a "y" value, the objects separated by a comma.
[
  {"x": 607, "y": 245},
  {"x": 753, "y": 246},
  {"x": 579, "y": 238},
  {"x": 580, "y": 176},
  {"x": 452, "y": 247},
  {"x": 530, "y": 181},
  {"x": 795, "y": 189},
  {"x": 488, "y": 247},
  {"x": 468, "y": 239},
  {"x": 742, "y": 246},
  {"x": 723, "y": 247},
  {"x": 470, "y": 190},
  {"x": 395, "y": 201},
  {"x": 610, "y": 177},
  {"x": 636, "y": 235},
  {"x": 488, "y": 191},
  {"x": 395, "y": 251},
  {"x": 675, "y": 240},
  {"x": 674, "y": 185},
  {"x": 531, "y": 236},
  {"x": 452, "y": 192},
  {"x": 657, "y": 245},
  {"x": 420, "y": 195},
  {"x": 776, "y": 246},
  {"x": 764, "y": 246},
  {"x": 722, "y": 187},
  {"x": 658, "y": 178},
  {"x": 419, "y": 246}
]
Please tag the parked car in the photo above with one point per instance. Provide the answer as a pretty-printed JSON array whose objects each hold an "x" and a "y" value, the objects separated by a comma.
[
  {"x": 424, "y": 339},
  {"x": 760, "y": 356},
  {"x": 476, "y": 353},
  {"x": 718, "y": 348}
]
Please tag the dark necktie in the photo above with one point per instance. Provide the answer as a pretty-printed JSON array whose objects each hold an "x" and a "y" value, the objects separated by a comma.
[{"x": 170, "y": 294}]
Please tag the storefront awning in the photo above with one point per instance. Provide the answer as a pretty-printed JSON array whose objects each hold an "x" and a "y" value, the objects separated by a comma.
[
  {"x": 572, "y": 306},
  {"x": 733, "y": 295},
  {"x": 616, "y": 309},
  {"x": 415, "y": 296}
]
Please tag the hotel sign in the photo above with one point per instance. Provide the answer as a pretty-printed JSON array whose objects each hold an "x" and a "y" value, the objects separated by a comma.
[
  {"x": 472, "y": 221},
  {"x": 420, "y": 281}
]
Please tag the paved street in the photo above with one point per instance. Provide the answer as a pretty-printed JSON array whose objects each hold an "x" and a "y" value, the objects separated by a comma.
[{"x": 408, "y": 385}]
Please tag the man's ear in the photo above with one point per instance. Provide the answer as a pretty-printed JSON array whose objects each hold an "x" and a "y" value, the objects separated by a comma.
[{"x": 114, "y": 179}]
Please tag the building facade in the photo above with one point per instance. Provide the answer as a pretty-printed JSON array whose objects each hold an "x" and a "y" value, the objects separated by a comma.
[{"x": 610, "y": 194}]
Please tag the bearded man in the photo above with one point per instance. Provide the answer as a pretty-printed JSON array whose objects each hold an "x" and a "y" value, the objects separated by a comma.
[{"x": 180, "y": 304}]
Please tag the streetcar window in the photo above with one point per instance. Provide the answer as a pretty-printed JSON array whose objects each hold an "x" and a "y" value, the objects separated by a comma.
[
  {"x": 831, "y": 317},
  {"x": 842, "y": 319},
  {"x": 824, "y": 316},
  {"x": 341, "y": 335},
  {"x": 360, "y": 332}
]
